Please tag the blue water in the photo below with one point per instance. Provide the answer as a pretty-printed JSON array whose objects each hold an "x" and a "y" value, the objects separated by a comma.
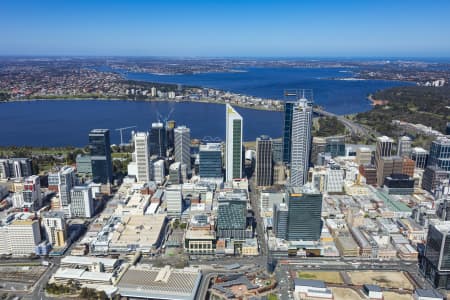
[
  {"x": 338, "y": 96},
  {"x": 60, "y": 123}
]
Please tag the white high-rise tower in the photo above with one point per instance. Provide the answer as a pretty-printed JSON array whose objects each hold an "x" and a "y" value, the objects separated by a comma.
[
  {"x": 183, "y": 146},
  {"x": 233, "y": 149},
  {"x": 301, "y": 142},
  {"x": 142, "y": 155}
]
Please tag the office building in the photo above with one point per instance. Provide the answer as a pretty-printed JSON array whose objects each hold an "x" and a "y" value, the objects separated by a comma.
[
  {"x": 404, "y": 146},
  {"x": 183, "y": 146},
  {"x": 279, "y": 173},
  {"x": 363, "y": 156},
  {"x": 32, "y": 193},
  {"x": 142, "y": 156},
  {"x": 447, "y": 129},
  {"x": 440, "y": 153},
  {"x": 170, "y": 134},
  {"x": 55, "y": 228},
  {"x": 408, "y": 166},
  {"x": 62, "y": 183},
  {"x": 158, "y": 140},
  {"x": 399, "y": 184},
  {"x": 233, "y": 148},
  {"x": 304, "y": 214},
  {"x": 384, "y": 147},
  {"x": 287, "y": 131},
  {"x": 174, "y": 200},
  {"x": 420, "y": 156},
  {"x": 280, "y": 220},
  {"x": 210, "y": 158},
  {"x": 301, "y": 142},
  {"x": 264, "y": 161},
  {"x": 19, "y": 234},
  {"x": 277, "y": 150},
  {"x": 388, "y": 166},
  {"x": 232, "y": 218},
  {"x": 335, "y": 145},
  {"x": 15, "y": 168},
  {"x": 433, "y": 178},
  {"x": 435, "y": 263},
  {"x": 100, "y": 152},
  {"x": 82, "y": 205},
  {"x": 84, "y": 165},
  {"x": 334, "y": 179},
  {"x": 175, "y": 173},
  {"x": 159, "y": 171},
  {"x": 318, "y": 147}
]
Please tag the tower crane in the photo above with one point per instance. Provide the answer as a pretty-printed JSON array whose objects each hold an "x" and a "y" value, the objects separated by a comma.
[{"x": 121, "y": 130}]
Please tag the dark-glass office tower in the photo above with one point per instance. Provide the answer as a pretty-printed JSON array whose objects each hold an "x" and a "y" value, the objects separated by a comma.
[
  {"x": 447, "y": 129},
  {"x": 277, "y": 151},
  {"x": 335, "y": 145},
  {"x": 287, "y": 131},
  {"x": 440, "y": 154},
  {"x": 210, "y": 157},
  {"x": 264, "y": 161},
  {"x": 232, "y": 218},
  {"x": 435, "y": 263},
  {"x": 100, "y": 151},
  {"x": 158, "y": 140},
  {"x": 304, "y": 214}
]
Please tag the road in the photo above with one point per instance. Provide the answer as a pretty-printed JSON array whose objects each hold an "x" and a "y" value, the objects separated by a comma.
[{"x": 355, "y": 128}]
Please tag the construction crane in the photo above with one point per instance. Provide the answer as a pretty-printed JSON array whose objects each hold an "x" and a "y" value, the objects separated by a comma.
[
  {"x": 122, "y": 129},
  {"x": 163, "y": 119}
]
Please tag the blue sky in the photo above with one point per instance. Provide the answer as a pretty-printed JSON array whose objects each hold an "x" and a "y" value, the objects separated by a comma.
[{"x": 226, "y": 28}]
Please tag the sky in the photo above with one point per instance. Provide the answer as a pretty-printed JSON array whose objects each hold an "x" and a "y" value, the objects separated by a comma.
[{"x": 300, "y": 28}]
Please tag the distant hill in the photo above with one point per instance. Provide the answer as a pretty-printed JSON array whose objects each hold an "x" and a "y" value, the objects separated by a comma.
[{"x": 415, "y": 104}]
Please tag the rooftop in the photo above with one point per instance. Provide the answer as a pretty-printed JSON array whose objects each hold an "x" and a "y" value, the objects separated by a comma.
[
  {"x": 160, "y": 283},
  {"x": 309, "y": 282}
]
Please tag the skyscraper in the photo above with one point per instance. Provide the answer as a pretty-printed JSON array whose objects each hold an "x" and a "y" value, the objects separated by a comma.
[
  {"x": 61, "y": 183},
  {"x": 170, "y": 126},
  {"x": 304, "y": 214},
  {"x": 158, "y": 141},
  {"x": 232, "y": 218},
  {"x": 142, "y": 156},
  {"x": 435, "y": 263},
  {"x": 404, "y": 146},
  {"x": 287, "y": 131},
  {"x": 420, "y": 156},
  {"x": 15, "y": 168},
  {"x": 183, "y": 146},
  {"x": 301, "y": 142},
  {"x": 277, "y": 150},
  {"x": 264, "y": 161},
  {"x": 210, "y": 157},
  {"x": 234, "y": 129},
  {"x": 82, "y": 205},
  {"x": 32, "y": 193},
  {"x": 384, "y": 166},
  {"x": 440, "y": 153},
  {"x": 100, "y": 151}
]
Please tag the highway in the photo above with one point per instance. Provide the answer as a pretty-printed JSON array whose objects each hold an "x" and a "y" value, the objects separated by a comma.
[{"x": 355, "y": 128}]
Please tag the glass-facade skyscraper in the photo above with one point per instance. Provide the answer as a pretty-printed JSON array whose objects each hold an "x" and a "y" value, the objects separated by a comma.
[
  {"x": 440, "y": 154},
  {"x": 435, "y": 262},
  {"x": 158, "y": 140},
  {"x": 210, "y": 156},
  {"x": 233, "y": 150},
  {"x": 301, "y": 142},
  {"x": 304, "y": 214},
  {"x": 100, "y": 151},
  {"x": 287, "y": 131}
]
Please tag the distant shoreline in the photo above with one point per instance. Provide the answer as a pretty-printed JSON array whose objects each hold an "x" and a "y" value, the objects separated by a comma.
[{"x": 145, "y": 100}]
